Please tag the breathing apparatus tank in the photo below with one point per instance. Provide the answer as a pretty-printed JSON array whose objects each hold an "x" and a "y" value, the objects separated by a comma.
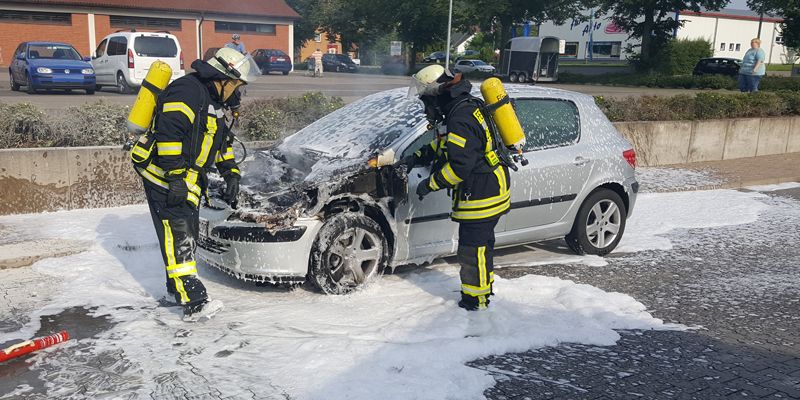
[
  {"x": 502, "y": 112},
  {"x": 141, "y": 115}
]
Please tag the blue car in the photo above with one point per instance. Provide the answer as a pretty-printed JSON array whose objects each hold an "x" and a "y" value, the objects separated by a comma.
[{"x": 50, "y": 65}]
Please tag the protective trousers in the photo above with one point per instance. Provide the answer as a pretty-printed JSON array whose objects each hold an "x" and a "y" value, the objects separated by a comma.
[
  {"x": 476, "y": 256},
  {"x": 177, "y": 229}
]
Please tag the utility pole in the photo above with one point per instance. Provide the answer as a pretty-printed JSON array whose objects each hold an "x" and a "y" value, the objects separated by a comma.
[
  {"x": 760, "y": 21},
  {"x": 449, "y": 28}
]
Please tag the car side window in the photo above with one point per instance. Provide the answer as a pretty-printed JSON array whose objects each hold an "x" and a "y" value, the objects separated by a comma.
[
  {"x": 548, "y": 122},
  {"x": 422, "y": 141},
  {"x": 117, "y": 46},
  {"x": 101, "y": 49}
]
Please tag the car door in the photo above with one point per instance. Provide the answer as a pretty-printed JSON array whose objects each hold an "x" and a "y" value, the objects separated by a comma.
[
  {"x": 100, "y": 63},
  {"x": 425, "y": 223},
  {"x": 116, "y": 58},
  {"x": 560, "y": 163},
  {"x": 18, "y": 66}
]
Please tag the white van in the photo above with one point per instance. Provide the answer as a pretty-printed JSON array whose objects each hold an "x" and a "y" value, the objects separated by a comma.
[{"x": 123, "y": 58}]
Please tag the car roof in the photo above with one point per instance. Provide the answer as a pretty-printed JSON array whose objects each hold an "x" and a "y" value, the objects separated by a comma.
[
  {"x": 137, "y": 33},
  {"x": 46, "y": 43},
  {"x": 720, "y": 58}
]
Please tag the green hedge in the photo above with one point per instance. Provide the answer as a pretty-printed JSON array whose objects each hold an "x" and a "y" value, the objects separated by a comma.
[
  {"x": 680, "y": 56},
  {"x": 768, "y": 83},
  {"x": 103, "y": 124},
  {"x": 701, "y": 106}
]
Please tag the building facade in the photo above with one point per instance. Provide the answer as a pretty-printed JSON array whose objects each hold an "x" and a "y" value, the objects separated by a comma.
[
  {"x": 198, "y": 24},
  {"x": 729, "y": 31}
]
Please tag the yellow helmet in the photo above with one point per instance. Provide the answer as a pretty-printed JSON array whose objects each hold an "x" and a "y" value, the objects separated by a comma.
[
  {"x": 426, "y": 81},
  {"x": 235, "y": 65}
]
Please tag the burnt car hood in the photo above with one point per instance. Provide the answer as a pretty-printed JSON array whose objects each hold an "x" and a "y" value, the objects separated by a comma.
[{"x": 326, "y": 159}]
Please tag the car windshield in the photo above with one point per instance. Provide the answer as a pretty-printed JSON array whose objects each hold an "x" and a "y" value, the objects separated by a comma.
[
  {"x": 359, "y": 130},
  {"x": 155, "y": 46},
  {"x": 53, "y": 52},
  {"x": 478, "y": 62},
  {"x": 343, "y": 58}
]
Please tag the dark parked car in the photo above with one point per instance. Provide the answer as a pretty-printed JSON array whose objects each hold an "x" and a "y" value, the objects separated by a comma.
[
  {"x": 435, "y": 57},
  {"x": 50, "y": 65},
  {"x": 270, "y": 60},
  {"x": 721, "y": 66},
  {"x": 338, "y": 63}
]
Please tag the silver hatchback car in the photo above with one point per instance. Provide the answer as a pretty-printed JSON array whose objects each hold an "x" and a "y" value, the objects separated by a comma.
[{"x": 314, "y": 207}]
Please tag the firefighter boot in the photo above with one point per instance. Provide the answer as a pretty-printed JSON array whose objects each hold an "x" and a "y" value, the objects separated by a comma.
[{"x": 475, "y": 279}]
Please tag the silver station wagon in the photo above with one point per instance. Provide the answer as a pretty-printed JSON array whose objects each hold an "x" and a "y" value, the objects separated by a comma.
[{"x": 313, "y": 208}]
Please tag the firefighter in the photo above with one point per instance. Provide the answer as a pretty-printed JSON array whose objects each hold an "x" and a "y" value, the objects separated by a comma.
[
  {"x": 465, "y": 161},
  {"x": 190, "y": 135}
]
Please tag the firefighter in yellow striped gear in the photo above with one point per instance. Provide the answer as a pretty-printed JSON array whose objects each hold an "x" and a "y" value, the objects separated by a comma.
[
  {"x": 465, "y": 161},
  {"x": 188, "y": 136}
]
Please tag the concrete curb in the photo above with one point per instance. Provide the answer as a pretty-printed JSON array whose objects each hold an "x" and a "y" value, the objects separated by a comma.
[{"x": 732, "y": 185}]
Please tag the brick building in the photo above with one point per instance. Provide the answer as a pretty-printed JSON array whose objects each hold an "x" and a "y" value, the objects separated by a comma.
[{"x": 198, "y": 24}]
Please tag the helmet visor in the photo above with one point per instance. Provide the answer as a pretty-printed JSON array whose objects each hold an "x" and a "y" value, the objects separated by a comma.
[
  {"x": 247, "y": 69},
  {"x": 418, "y": 88}
]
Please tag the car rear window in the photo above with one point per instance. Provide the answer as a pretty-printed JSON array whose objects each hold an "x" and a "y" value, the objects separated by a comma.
[
  {"x": 53, "y": 52},
  {"x": 276, "y": 53},
  {"x": 155, "y": 46}
]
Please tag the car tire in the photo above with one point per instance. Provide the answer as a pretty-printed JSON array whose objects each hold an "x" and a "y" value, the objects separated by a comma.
[
  {"x": 350, "y": 250},
  {"x": 122, "y": 84},
  {"x": 597, "y": 236},
  {"x": 512, "y": 77},
  {"x": 89, "y": 91},
  {"x": 285, "y": 72},
  {"x": 29, "y": 89},
  {"x": 14, "y": 86}
]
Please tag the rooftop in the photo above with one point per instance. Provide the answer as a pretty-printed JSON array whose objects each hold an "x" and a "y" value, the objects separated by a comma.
[
  {"x": 729, "y": 13},
  {"x": 256, "y": 8}
]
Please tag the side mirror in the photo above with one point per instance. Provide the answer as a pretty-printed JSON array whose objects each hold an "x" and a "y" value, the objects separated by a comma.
[
  {"x": 87, "y": 58},
  {"x": 20, "y": 56}
]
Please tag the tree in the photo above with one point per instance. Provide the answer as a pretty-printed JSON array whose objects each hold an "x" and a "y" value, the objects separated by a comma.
[
  {"x": 651, "y": 21},
  {"x": 789, "y": 10},
  {"x": 496, "y": 18},
  {"x": 306, "y": 27}
]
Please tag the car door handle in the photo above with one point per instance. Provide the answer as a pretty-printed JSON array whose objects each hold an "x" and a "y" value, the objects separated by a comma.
[{"x": 580, "y": 161}]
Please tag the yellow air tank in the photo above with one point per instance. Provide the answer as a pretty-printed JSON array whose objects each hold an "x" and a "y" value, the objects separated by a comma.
[
  {"x": 141, "y": 114},
  {"x": 504, "y": 116}
]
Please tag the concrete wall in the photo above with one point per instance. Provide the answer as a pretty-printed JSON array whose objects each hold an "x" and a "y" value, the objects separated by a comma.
[
  {"x": 678, "y": 142},
  {"x": 51, "y": 179}
]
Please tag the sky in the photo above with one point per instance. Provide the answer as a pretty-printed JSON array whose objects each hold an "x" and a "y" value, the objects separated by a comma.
[{"x": 738, "y": 4}]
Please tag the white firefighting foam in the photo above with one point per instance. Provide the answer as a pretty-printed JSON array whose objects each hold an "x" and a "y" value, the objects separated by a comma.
[{"x": 400, "y": 337}]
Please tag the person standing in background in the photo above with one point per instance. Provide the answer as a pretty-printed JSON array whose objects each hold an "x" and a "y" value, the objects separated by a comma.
[
  {"x": 753, "y": 67},
  {"x": 317, "y": 55},
  {"x": 237, "y": 44}
]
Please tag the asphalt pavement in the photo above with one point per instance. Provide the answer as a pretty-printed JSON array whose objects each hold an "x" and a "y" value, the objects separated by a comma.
[{"x": 350, "y": 87}]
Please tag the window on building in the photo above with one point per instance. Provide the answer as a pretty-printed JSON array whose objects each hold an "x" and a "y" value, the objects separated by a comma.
[
  {"x": 722, "y": 46},
  {"x": 778, "y": 39},
  {"x": 126, "y": 22},
  {"x": 240, "y": 27},
  {"x": 318, "y": 38},
  {"x": 30, "y": 17},
  {"x": 117, "y": 46},
  {"x": 738, "y": 46},
  {"x": 730, "y": 47},
  {"x": 605, "y": 49},
  {"x": 570, "y": 50},
  {"x": 548, "y": 123}
]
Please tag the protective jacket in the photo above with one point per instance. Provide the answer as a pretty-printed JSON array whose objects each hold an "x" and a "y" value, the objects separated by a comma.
[
  {"x": 466, "y": 161},
  {"x": 189, "y": 133}
]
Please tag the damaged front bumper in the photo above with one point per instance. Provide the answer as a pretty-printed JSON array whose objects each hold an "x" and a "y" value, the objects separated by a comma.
[{"x": 251, "y": 252}]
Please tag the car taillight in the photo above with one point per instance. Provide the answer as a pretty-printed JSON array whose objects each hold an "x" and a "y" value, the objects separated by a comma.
[
  {"x": 273, "y": 59},
  {"x": 630, "y": 157},
  {"x": 130, "y": 58},
  {"x": 181, "y": 57}
]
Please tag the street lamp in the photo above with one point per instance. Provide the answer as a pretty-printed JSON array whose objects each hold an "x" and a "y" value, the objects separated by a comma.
[{"x": 449, "y": 28}]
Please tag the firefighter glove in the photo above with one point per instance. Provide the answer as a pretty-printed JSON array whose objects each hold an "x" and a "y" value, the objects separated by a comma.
[
  {"x": 178, "y": 192},
  {"x": 423, "y": 189},
  {"x": 231, "y": 193}
]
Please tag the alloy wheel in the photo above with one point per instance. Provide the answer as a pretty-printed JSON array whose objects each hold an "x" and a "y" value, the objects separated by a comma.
[
  {"x": 603, "y": 223},
  {"x": 354, "y": 256}
]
